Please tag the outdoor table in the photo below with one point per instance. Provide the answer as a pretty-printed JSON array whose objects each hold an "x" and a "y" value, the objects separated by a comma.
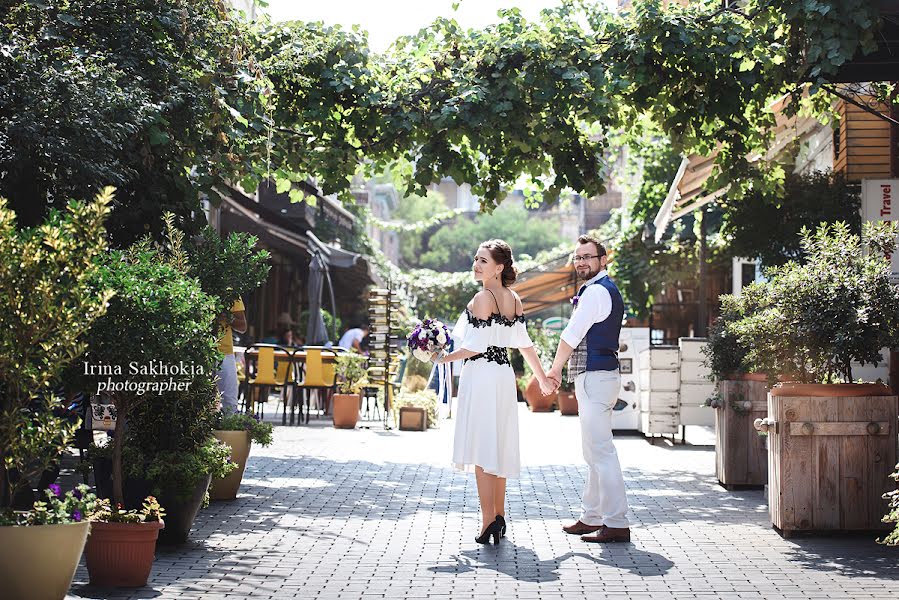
[{"x": 297, "y": 358}]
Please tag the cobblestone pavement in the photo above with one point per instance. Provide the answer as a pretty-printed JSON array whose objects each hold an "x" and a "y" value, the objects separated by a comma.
[{"x": 369, "y": 513}]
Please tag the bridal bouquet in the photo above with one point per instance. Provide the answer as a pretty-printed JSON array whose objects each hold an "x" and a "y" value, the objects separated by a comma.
[{"x": 428, "y": 337}]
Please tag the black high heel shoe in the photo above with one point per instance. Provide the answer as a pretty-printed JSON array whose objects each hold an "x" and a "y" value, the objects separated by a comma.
[
  {"x": 502, "y": 525},
  {"x": 492, "y": 530}
]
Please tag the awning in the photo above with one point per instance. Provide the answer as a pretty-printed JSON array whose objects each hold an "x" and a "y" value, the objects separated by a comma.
[
  {"x": 355, "y": 268},
  {"x": 549, "y": 284},
  {"x": 270, "y": 227},
  {"x": 688, "y": 189}
]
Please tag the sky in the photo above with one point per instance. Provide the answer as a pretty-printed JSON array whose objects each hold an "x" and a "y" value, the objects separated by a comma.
[{"x": 386, "y": 20}]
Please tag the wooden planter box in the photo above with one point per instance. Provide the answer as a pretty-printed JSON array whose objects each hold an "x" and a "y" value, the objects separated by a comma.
[
  {"x": 741, "y": 459},
  {"x": 831, "y": 450},
  {"x": 413, "y": 418}
]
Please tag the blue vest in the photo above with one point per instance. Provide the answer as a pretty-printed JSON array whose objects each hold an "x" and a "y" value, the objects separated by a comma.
[{"x": 602, "y": 338}]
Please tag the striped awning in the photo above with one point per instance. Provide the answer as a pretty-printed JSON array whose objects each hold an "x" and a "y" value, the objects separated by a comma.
[{"x": 549, "y": 284}]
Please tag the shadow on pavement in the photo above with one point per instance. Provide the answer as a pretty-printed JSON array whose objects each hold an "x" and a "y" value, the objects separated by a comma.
[
  {"x": 854, "y": 555},
  {"x": 523, "y": 564}
]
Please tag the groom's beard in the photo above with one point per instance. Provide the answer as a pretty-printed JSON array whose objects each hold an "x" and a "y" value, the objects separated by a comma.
[{"x": 586, "y": 274}]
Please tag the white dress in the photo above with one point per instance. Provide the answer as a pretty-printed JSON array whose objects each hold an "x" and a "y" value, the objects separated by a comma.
[{"x": 486, "y": 410}]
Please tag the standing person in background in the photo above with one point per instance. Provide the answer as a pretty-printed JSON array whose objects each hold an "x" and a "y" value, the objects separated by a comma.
[
  {"x": 227, "y": 373},
  {"x": 352, "y": 338}
]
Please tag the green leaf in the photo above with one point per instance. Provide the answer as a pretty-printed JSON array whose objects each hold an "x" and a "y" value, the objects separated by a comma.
[
  {"x": 296, "y": 195},
  {"x": 157, "y": 136},
  {"x": 69, "y": 20},
  {"x": 283, "y": 185}
]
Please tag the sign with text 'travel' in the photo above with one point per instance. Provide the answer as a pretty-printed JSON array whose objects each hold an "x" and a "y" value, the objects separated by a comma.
[{"x": 880, "y": 202}]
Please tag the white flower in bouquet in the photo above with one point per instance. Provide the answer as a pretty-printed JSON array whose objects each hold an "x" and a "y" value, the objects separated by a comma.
[
  {"x": 426, "y": 338},
  {"x": 422, "y": 355}
]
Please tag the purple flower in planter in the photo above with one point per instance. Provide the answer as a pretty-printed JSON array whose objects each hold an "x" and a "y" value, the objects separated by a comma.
[
  {"x": 55, "y": 489},
  {"x": 77, "y": 493},
  {"x": 77, "y": 516}
]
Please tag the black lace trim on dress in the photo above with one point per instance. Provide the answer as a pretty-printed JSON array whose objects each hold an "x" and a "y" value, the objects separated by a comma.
[
  {"x": 494, "y": 318},
  {"x": 494, "y": 354}
]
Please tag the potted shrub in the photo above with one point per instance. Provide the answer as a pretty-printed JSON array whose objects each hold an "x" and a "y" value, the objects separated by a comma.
[
  {"x": 832, "y": 442},
  {"x": 424, "y": 400},
  {"x": 48, "y": 303},
  {"x": 350, "y": 372},
  {"x": 122, "y": 543},
  {"x": 154, "y": 355},
  {"x": 545, "y": 342},
  {"x": 238, "y": 431},
  {"x": 566, "y": 397},
  {"x": 741, "y": 457},
  {"x": 40, "y": 548},
  {"x": 893, "y": 516}
]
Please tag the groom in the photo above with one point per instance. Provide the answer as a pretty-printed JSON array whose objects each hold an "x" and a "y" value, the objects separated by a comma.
[{"x": 590, "y": 345}]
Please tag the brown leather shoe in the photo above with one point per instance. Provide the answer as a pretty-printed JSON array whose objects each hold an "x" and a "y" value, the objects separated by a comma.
[
  {"x": 581, "y": 528},
  {"x": 609, "y": 534}
]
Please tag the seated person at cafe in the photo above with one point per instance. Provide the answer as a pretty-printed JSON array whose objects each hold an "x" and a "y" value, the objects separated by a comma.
[{"x": 352, "y": 339}]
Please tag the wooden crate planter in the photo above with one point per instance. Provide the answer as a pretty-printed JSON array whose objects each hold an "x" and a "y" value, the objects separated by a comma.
[
  {"x": 831, "y": 450},
  {"x": 413, "y": 418},
  {"x": 741, "y": 459}
]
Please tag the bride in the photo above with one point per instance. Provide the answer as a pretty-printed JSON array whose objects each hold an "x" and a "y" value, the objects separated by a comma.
[{"x": 486, "y": 434}]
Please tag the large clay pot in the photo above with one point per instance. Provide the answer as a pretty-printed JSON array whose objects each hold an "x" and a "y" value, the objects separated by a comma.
[
  {"x": 180, "y": 513},
  {"x": 40, "y": 561},
  {"x": 121, "y": 554},
  {"x": 345, "y": 410},
  {"x": 567, "y": 403},
  {"x": 537, "y": 402},
  {"x": 240, "y": 443}
]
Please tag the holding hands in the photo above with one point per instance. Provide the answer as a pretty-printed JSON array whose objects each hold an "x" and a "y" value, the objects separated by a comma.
[{"x": 551, "y": 381}]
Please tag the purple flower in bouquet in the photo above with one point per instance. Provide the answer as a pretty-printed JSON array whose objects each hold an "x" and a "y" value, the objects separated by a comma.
[
  {"x": 428, "y": 337},
  {"x": 574, "y": 300}
]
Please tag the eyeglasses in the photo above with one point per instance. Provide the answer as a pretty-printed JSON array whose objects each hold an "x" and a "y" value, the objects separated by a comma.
[{"x": 583, "y": 258}]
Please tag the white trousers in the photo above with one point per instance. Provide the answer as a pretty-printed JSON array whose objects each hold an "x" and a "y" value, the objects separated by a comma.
[
  {"x": 227, "y": 383},
  {"x": 604, "y": 500}
]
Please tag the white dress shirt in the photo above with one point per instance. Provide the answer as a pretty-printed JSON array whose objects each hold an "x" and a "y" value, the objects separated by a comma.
[{"x": 593, "y": 306}]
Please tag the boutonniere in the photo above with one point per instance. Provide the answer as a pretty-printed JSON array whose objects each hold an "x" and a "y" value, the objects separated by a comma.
[{"x": 574, "y": 300}]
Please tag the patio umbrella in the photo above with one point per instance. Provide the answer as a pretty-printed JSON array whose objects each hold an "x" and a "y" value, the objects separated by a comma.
[{"x": 315, "y": 328}]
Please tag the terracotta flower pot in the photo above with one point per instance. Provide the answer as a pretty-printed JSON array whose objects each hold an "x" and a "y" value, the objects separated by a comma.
[
  {"x": 346, "y": 410},
  {"x": 121, "y": 554},
  {"x": 537, "y": 402},
  {"x": 40, "y": 561},
  {"x": 567, "y": 403},
  {"x": 240, "y": 442}
]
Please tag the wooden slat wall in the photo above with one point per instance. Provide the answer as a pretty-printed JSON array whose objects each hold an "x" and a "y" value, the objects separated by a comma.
[
  {"x": 864, "y": 143},
  {"x": 830, "y": 482},
  {"x": 740, "y": 454}
]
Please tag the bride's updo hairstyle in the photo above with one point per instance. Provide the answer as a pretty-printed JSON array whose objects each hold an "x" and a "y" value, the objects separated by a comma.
[{"x": 501, "y": 253}]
